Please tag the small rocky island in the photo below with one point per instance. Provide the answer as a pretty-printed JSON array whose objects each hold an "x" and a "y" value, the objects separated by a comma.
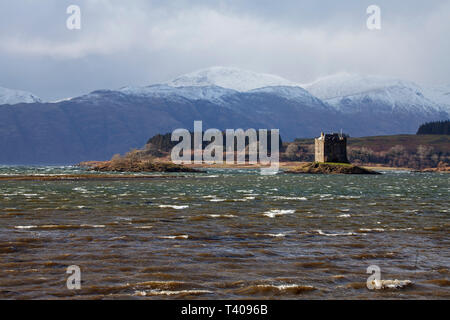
[
  {"x": 135, "y": 166},
  {"x": 330, "y": 168},
  {"x": 331, "y": 157},
  {"x": 135, "y": 161}
]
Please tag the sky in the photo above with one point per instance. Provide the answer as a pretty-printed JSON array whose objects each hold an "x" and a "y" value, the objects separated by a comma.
[{"x": 142, "y": 42}]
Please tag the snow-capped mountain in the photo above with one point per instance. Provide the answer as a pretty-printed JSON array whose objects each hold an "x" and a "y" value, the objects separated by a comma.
[
  {"x": 361, "y": 105},
  {"x": 345, "y": 92},
  {"x": 230, "y": 78},
  {"x": 105, "y": 122},
  {"x": 216, "y": 83},
  {"x": 354, "y": 93},
  {"x": 10, "y": 96}
]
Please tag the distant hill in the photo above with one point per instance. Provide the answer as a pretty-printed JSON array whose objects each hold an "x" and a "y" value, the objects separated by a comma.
[{"x": 436, "y": 127}]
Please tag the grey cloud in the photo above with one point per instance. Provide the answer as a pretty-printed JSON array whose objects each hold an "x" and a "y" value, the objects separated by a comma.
[{"x": 142, "y": 42}]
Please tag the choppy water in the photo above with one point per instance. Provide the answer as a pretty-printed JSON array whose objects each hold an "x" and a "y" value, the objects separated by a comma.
[{"x": 225, "y": 234}]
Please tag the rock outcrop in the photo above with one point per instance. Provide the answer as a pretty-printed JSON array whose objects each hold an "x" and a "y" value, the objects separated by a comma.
[
  {"x": 330, "y": 168},
  {"x": 135, "y": 166}
]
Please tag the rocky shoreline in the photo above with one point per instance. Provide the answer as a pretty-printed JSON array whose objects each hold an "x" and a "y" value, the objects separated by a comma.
[
  {"x": 441, "y": 169},
  {"x": 87, "y": 177}
]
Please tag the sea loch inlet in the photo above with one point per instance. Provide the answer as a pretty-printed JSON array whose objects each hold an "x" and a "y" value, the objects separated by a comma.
[
  {"x": 223, "y": 155},
  {"x": 225, "y": 234}
]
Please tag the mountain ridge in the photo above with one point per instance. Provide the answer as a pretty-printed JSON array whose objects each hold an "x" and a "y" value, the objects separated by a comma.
[
  {"x": 102, "y": 123},
  {"x": 214, "y": 82}
]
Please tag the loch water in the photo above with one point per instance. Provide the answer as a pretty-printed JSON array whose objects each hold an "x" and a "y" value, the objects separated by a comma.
[{"x": 224, "y": 234}]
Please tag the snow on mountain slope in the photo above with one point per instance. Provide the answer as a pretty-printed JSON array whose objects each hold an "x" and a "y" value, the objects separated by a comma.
[
  {"x": 230, "y": 78},
  {"x": 346, "y": 84},
  {"x": 211, "y": 93},
  {"x": 216, "y": 94},
  {"x": 344, "y": 91},
  {"x": 10, "y": 96},
  {"x": 439, "y": 94},
  {"x": 297, "y": 94},
  {"x": 394, "y": 98},
  {"x": 352, "y": 93}
]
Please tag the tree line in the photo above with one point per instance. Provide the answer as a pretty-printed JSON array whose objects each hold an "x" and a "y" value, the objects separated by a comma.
[{"x": 435, "y": 127}]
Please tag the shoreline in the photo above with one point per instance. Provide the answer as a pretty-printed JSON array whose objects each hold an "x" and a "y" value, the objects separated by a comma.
[
  {"x": 86, "y": 177},
  {"x": 283, "y": 165}
]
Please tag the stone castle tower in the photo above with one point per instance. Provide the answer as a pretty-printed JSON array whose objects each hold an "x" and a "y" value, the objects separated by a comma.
[{"x": 331, "y": 148}]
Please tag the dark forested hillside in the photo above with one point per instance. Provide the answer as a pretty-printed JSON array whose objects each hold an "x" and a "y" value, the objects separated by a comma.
[
  {"x": 164, "y": 142},
  {"x": 435, "y": 127}
]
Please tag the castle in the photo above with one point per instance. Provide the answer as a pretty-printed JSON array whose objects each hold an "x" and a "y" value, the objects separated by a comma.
[{"x": 331, "y": 148}]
